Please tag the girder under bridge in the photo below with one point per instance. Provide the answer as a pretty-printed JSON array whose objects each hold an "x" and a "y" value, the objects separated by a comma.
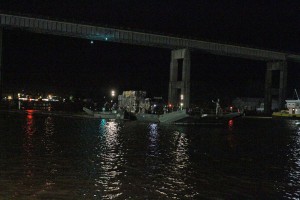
[{"x": 180, "y": 50}]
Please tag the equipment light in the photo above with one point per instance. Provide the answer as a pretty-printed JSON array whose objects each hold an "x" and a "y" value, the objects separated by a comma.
[{"x": 113, "y": 93}]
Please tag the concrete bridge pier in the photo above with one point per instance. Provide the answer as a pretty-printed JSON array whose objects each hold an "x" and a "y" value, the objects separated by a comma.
[
  {"x": 281, "y": 91},
  {"x": 1, "y": 36},
  {"x": 179, "y": 85}
]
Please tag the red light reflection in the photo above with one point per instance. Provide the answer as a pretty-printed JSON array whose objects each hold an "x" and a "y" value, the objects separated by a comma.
[
  {"x": 28, "y": 144},
  {"x": 230, "y": 123},
  {"x": 29, "y": 125},
  {"x": 232, "y": 140},
  {"x": 29, "y": 114}
]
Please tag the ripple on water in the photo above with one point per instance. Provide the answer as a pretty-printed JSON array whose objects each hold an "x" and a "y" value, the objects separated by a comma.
[{"x": 48, "y": 157}]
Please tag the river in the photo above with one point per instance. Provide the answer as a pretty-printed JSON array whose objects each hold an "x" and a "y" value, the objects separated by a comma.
[{"x": 65, "y": 157}]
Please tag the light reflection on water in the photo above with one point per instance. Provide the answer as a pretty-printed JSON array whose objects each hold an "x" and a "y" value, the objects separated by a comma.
[
  {"x": 53, "y": 157},
  {"x": 107, "y": 182},
  {"x": 50, "y": 147},
  {"x": 176, "y": 181},
  {"x": 293, "y": 169},
  {"x": 231, "y": 138},
  {"x": 153, "y": 139},
  {"x": 174, "y": 169},
  {"x": 28, "y": 145},
  {"x": 33, "y": 144}
]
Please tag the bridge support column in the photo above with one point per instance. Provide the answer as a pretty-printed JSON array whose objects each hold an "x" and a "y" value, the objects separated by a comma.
[
  {"x": 179, "y": 85},
  {"x": 281, "y": 91},
  {"x": 1, "y": 36}
]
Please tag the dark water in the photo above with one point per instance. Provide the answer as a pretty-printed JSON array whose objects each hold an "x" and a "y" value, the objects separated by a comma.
[{"x": 56, "y": 157}]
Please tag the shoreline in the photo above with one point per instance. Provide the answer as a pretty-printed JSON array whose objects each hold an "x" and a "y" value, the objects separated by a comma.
[{"x": 50, "y": 113}]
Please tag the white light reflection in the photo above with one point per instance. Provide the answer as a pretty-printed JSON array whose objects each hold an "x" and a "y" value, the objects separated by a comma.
[
  {"x": 109, "y": 160},
  {"x": 181, "y": 153},
  {"x": 50, "y": 147},
  {"x": 176, "y": 182},
  {"x": 47, "y": 139},
  {"x": 153, "y": 137},
  {"x": 293, "y": 170}
]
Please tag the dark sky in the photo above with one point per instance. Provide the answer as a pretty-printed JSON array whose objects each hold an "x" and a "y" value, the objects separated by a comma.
[{"x": 65, "y": 65}]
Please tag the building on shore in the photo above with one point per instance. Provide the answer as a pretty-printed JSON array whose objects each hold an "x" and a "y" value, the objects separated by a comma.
[{"x": 252, "y": 104}]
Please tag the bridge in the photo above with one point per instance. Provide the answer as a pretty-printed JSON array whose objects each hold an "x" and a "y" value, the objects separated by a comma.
[{"x": 179, "y": 87}]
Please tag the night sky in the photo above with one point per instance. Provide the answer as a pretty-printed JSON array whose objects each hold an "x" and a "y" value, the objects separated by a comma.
[{"x": 45, "y": 63}]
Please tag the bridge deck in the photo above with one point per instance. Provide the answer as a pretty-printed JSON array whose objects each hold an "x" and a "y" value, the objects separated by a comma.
[{"x": 94, "y": 32}]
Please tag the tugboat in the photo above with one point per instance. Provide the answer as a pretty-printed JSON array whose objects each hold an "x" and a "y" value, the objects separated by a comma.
[{"x": 293, "y": 108}]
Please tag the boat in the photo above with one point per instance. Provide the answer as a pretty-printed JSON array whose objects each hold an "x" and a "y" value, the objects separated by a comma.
[
  {"x": 169, "y": 117},
  {"x": 181, "y": 117},
  {"x": 114, "y": 114},
  {"x": 209, "y": 119},
  {"x": 147, "y": 109},
  {"x": 293, "y": 108}
]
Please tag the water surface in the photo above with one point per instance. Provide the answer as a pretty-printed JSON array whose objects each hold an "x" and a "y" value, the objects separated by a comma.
[{"x": 64, "y": 157}]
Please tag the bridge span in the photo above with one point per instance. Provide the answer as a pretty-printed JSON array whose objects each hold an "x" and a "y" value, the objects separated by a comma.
[{"x": 180, "y": 47}]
